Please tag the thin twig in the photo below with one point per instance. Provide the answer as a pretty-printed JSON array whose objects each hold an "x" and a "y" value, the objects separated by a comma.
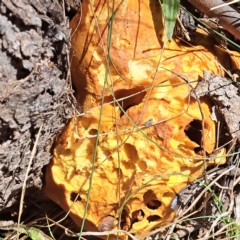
[
  {"x": 205, "y": 190},
  {"x": 26, "y": 175},
  {"x": 80, "y": 18},
  {"x": 185, "y": 32},
  {"x": 224, "y": 4},
  {"x": 214, "y": 225},
  {"x": 114, "y": 232}
]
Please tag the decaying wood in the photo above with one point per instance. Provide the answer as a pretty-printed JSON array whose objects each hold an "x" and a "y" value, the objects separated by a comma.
[
  {"x": 225, "y": 96},
  {"x": 228, "y": 17}
]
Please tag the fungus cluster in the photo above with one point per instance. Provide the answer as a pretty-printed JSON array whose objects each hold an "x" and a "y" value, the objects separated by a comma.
[{"x": 140, "y": 138}]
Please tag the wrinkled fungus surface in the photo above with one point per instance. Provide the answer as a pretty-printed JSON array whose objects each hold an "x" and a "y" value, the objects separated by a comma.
[{"x": 149, "y": 128}]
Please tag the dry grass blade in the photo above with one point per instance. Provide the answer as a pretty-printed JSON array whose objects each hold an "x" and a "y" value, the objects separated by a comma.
[
  {"x": 224, "y": 4},
  {"x": 216, "y": 221},
  {"x": 26, "y": 176},
  {"x": 203, "y": 192},
  {"x": 106, "y": 233}
]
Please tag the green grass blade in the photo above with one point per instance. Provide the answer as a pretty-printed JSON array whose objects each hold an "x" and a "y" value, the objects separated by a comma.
[
  {"x": 170, "y": 11},
  {"x": 36, "y": 234},
  {"x": 32, "y": 232},
  {"x": 111, "y": 13}
]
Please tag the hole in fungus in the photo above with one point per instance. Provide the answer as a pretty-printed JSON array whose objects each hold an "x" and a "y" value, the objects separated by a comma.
[
  {"x": 153, "y": 218},
  {"x": 125, "y": 221},
  {"x": 198, "y": 150},
  {"x": 194, "y": 131},
  {"x": 107, "y": 154},
  {"x": 153, "y": 204},
  {"x": 75, "y": 197},
  {"x": 126, "y": 165},
  {"x": 86, "y": 123},
  {"x": 92, "y": 132},
  {"x": 150, "y": 200},
  {"x": 137, "y": 216},
  {"x": 131, "y": 152},
  {"x": 127, "y": 98},
  {"x": 142, "y": 165}
]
